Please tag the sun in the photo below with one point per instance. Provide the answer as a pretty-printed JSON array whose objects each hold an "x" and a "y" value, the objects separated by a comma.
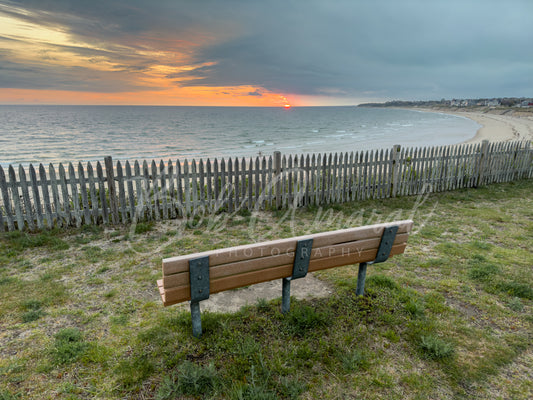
[{"x": 287, "y": 106}]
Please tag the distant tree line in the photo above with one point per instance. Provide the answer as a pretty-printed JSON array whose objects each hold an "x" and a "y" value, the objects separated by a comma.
[{"x": 503, "y": 102}]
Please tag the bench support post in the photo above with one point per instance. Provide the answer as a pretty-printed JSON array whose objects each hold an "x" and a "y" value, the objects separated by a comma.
[
  {"x": 299, "y": 270},
  {"x": 196, "y": 319},
  {"x": 385, "y": 246},
  {"x": 286, "y": 295},
  {"x": 361, "y": 276},
  {"x": 199, "y": 281}
]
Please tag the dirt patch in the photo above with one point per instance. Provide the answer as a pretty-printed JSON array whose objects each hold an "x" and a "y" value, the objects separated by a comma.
[{"x": 233, "y": 300}]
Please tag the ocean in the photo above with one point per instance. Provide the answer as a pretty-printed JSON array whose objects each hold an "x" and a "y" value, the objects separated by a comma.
[{"x": 54, "y": 134}]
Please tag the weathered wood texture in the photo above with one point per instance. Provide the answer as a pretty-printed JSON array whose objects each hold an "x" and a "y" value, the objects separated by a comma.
[
  {"x": 239, "y": 266},
  {"x": 38, "y": 198}
]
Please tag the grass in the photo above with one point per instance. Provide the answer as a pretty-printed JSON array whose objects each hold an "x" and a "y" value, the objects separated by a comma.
[{"x": 452, "y": 318}]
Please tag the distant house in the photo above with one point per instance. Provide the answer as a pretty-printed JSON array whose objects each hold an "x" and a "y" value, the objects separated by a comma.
[
  {"x": 493, "y": 103},
  {"x": 526, "y": 103}
]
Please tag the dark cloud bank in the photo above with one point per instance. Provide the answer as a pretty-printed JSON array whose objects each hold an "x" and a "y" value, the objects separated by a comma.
[{"x": 352, "y": 49}]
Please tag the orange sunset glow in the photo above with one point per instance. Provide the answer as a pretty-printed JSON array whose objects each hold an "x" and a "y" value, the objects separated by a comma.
[
  {"x": 196, "y": 96},
  {"x": 139, "y": 70}
]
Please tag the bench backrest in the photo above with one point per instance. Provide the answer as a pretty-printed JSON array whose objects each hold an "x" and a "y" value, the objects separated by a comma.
[{"x": 245, "y": 265}]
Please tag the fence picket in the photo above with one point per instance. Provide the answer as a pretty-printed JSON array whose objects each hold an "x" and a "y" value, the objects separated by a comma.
[
  {"x": 141, "y": 199},
  {"x": 84, "y": 195},
  {"x": 6, "y": 201},
  {"x": 179, "y": 184},
  {"x": 201, "y": 174},
  {"x": 55, "y": 195},
  {"x": 170, "y": 193},
  {"x": 46, "y": 197},
  {"x": 307, "y": 198},
  {"x": 187, "y": 187},
  {"x": 217, "y": 181},
  {"x": 16, "y": 198},
  {"x": 36, "y": 204},
  {"x": 75, "y": 196},
  {"x": 112, "y": 190},
  {"x": 194, "y": 187},
  {"x": 28, "y": 209},
  {"x": 121, "y": 193},
  {"x": 230, "y": 186},
  {"x": 223, "y": 188},
  {"x": 237, "y": 184},
  {"x": 148, "y": 198},
  {"x": 131, "y": 195},
  {"x": 264, "y": 190},
  {"x": 311, "y": 198},
  {"x": 209, "y": 194},
  {"x": 156, "y": 208},
  {"x": 2, "y": 225},
  {"x": 164, "y": 190},
  {"x": 257, "y": 184}
]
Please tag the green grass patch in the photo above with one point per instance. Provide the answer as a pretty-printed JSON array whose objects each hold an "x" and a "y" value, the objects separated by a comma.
[
  {"x": 435, "y": 347},
  {"x": 68, "y": 346},
  {"x": 144, "y": 227},
  {"x": 189, "y": 380}
]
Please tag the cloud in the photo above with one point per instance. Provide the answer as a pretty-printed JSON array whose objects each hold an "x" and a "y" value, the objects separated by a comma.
[{"x": 342, "y": 48}]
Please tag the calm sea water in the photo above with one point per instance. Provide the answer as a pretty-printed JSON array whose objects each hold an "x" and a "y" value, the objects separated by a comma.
[{"x": 53, "y": 134}]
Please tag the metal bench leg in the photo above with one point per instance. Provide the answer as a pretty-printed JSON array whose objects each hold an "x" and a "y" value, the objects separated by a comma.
[
  {"x": 383, "y": 253},
  {"x": 286, "y": 295},
  {"x": 196, "y": 319},
  {"x": 361, "y": 276},
  {"x": 299, "y": 270}
]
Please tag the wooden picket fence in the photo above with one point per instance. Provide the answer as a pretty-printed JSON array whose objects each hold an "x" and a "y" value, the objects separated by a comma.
[{"x": 114, "y": 193}]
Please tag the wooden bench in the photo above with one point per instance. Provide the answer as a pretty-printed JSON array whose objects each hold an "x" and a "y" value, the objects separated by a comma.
[{"x": 194, "y": 277}]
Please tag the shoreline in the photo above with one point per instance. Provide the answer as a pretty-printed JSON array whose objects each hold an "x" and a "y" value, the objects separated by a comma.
[{"x": 496, "y": 125}]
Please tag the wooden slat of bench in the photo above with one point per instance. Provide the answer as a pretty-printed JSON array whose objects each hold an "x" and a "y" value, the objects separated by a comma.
[
  {"x": 180, "y": 294},
  {"x": 241, "y": 267},
  {"x": 283, "y": 246}
]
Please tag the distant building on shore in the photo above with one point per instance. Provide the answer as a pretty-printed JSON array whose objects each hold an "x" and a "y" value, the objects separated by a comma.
[{"x": 480, "y": 102}]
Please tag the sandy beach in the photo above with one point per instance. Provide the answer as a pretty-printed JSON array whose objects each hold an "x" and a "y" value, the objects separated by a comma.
[{"x": 497, "y": 126}]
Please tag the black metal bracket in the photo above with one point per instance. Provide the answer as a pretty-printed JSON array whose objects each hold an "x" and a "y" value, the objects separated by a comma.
[
  {"x": 199, "y": 278},
  {"x": 302, "y": 256},
  {"x": 385, "y": 246},
  {"x": 384, "y": 249},
  {"x": 199, "y": 282}
]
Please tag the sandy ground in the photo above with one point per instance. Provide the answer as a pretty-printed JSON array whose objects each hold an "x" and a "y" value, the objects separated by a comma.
[{"x": 497, "y": 126}]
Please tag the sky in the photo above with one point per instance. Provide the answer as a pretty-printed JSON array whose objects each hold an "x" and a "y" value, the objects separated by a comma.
[{"x": 263, "y": 52}]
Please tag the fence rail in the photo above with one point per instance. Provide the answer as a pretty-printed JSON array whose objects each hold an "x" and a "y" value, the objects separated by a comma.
[{"x": 116, "y": 193}]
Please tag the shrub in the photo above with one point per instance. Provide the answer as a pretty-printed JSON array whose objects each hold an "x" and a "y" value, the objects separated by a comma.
[
  {"x": 436, "y": 348},
  {"x": 381, "y": 281},
  {"x": 304, "y": 318},
  {"x": 414, "y": 308},
  {"x": 354, "y": 360},
  {"x": 143, "y": 227},
  {"x": 516, "y": 289},
  {"x": 483, "y": 272},
  {"x": 68, "y": 346},
  {"x": 190, "y": 380}
]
